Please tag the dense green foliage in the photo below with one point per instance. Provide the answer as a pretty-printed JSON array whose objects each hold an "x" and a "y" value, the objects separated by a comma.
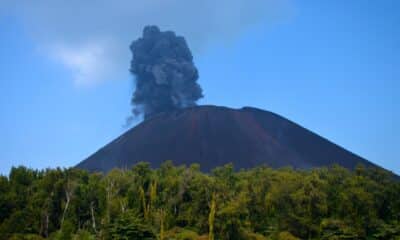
[{"x": 183, "y": 203}]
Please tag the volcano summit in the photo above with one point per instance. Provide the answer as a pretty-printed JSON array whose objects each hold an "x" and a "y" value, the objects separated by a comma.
[{"x": 213, "y": 136}]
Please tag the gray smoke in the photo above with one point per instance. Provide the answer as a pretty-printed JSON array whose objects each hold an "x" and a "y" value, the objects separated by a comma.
[{"x": 165, "y": 75}]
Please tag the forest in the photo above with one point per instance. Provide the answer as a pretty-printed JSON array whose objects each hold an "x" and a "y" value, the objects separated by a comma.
[{"x": 183, "y": 203}]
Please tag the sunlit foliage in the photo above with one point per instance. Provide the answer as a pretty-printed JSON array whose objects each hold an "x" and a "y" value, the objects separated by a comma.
[{"x": 173, "y": 203}]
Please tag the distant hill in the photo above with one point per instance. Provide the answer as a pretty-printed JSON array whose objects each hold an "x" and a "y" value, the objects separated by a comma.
[{"x": 213, "y": 136}]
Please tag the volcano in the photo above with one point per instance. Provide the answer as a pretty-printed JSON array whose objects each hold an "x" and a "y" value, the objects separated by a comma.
[{"x": 213, "y": 136}]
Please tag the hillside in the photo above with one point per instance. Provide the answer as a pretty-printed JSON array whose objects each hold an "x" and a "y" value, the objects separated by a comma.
[{"x": 213, "y": 136}]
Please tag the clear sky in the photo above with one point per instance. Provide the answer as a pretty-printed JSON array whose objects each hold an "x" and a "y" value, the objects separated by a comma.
[{"x": 331, "y": 66}]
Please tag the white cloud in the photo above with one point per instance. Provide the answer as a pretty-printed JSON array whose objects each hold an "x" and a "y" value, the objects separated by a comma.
[
  {"x": 92, "y": 38},
  {"x": 91, "y": 63}
]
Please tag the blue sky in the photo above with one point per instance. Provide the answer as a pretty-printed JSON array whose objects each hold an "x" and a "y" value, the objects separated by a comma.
[{"x": 331, "y": 66}]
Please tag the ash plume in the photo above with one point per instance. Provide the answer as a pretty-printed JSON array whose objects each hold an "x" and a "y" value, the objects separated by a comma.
[{"x": 165, "y": 75}]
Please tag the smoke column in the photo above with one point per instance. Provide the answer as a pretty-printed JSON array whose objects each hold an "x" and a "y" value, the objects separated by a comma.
[{"x": 165, "y": 75}]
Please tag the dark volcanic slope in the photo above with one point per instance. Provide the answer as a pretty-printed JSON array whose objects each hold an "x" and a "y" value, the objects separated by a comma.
[{"x": 213, "y": 136}]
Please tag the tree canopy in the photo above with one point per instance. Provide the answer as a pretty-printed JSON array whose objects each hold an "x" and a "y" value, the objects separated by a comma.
[{"x": 178, "y": 202}]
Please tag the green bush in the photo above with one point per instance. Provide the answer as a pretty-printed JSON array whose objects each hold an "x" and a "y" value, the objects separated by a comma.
[
  {"x": 181, "y": 234},
  {"x": 128, "y": 226},
  {"x": 83, "y": 235},
  {"x": 286, "y": 236},
  {"x": 26, "y": 237}
]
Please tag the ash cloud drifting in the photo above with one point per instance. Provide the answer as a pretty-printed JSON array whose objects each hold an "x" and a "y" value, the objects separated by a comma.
[{"x": 165, "y": 75}]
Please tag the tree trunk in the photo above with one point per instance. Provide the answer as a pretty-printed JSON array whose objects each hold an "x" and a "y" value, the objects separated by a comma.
[
  {"x": 66, "y": 206},
  {"x": 93, "y": 218},
  {"x": 211, "y": 218},
  {"x": 162, "y": 215},
  {"x": 46, "y": 225},
  {"x": 109, "y": 189}
]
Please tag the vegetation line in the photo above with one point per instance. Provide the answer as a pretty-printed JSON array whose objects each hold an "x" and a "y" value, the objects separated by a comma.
[{"x": 183, "y": 203}]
